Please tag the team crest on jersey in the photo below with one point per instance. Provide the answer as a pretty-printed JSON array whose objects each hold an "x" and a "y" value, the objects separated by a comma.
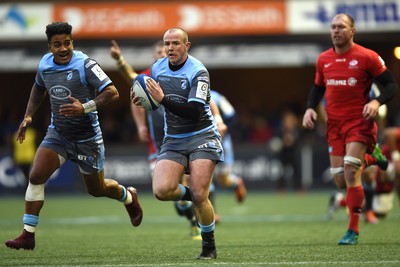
[
  {"x": 69, "y": 75},
  {"x": 59, "y": 92},
  {"x": 183, "y": 84},
  {"x": 353, "y": 63}
]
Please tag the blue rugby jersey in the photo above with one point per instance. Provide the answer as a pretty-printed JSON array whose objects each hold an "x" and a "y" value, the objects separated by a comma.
[
  {"x": 81, "y": 78},
  {"x": 189, "y": 83}
]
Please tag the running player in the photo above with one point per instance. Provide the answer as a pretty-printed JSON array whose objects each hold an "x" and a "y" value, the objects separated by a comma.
[
  {"x": 77, "y": 87},
  {"x": 191, "y": 141},
  {"x": 150, "y": 127},
  {"x": 223, "y": 172},
  {"x": 346, "y": 72}
]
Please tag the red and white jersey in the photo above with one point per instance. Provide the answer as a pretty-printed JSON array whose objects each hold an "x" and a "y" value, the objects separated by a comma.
[{"x": 347, "y": 78}]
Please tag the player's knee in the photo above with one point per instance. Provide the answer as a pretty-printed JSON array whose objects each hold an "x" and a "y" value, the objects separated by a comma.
[
  {"x": 199, "y": 197},
  {"x": 162, "y": 193},
  {"x": 34, "y": 192},
  {"x": 352, "y": 164}
]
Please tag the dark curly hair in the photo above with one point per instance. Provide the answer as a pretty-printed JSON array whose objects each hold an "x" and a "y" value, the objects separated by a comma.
[{"x": 58, "y": 28}]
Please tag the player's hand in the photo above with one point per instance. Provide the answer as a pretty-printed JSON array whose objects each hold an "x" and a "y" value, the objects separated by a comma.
[
  {"x": 309, "y": 118},
  {"x": 72, "y": 110},
  {"x": 371, "y": 109},
  {"x": 115, "y": 50},
  {"x": 155, "y": 90},
  {"x": 136, "y": 100},
  {"x": 222, "y": 129},
  {"x": 22, "y": 128}
]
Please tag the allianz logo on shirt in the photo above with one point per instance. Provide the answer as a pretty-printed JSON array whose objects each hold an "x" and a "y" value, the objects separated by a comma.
[{"x": 350, "y": 81}]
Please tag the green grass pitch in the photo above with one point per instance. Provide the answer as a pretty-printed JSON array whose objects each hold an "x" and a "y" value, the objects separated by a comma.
[{"x": 268, "y": 229}]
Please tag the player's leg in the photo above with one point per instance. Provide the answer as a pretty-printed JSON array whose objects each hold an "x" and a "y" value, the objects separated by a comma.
[
  {"x": 376, "y": 158},
  {"x": 99, "y": 186},
  {"x": 166, "y": 184},
  {"x": 224, "y": 171},
  {"x": 45, "y": 163},
  {"x": 201, "y": 171},
  {"x": 185, "y": 208},
  {"x": 355, "y": 152},
  {"x": 368, "y": 178},
  {"x": 212, "y": 196},
  {"x": 392, "y": 140},
  {"x": 337, "y": 173}
]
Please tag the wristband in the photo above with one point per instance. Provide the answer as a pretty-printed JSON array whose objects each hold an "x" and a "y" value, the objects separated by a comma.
[
  {"x": 89, "y": 106},
  {"x": 218, "y": 119}
]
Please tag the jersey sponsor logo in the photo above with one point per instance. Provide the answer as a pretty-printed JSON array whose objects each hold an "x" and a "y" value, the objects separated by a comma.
[
  {"x": 59, "y": 92},
  {"x": 334, "y": 82},
  {"x": 352, "y": 81},
  {"x": 176, "y": 98},
  {"x": 165, "y": 79},
  {"x": 207, "y": 145},
  {"x": 99, "y": 72},
  {"x": 90, "y": 63},
  {"x": 202, "y": 89},
  {"x": 327, "y": 65}
]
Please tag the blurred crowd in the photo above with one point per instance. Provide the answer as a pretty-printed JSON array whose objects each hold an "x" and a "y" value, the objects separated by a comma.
[{"x": 119, "y": 128}]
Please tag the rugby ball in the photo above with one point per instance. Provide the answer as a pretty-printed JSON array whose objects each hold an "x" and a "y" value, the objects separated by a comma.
[{"x": 140, "y": 90}]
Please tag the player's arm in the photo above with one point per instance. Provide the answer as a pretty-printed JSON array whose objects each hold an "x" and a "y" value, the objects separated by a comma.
[
  {"x": 126, "y": 70},
  {"x": 222, "y": 127},
  {"x": 389, "y": 90},
  {"x": 310, "y": 116},
  {"x": 190, "y": 110},
  {"x": 389, "y": 87},
  {"x": 228, "y": 110},
  {"x": 106, "y": 96},
  {"x": 139, "y": 116},
  {"x": 35, "y": 100}
]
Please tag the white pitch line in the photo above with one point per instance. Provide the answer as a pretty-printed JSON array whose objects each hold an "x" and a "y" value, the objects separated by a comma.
[{"x": 268, "y": 263}]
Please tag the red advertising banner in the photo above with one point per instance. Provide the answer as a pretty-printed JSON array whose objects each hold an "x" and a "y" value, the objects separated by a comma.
[{"x": 116, "y": 20}]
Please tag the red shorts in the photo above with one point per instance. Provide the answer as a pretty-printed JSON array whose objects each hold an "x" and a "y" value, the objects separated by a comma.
[{"x": 342, "y": 132}]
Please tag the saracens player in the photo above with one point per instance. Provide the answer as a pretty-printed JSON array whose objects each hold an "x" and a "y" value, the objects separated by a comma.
[{"x": 345, "y": 73}]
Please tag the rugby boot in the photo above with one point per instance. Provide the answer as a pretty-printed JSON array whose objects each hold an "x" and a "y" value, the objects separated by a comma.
[
  {"x": 25, "y": 241},
  {"x": 134, "y": 209}
]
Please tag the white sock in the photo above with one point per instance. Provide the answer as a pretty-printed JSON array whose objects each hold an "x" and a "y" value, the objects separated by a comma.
[
  {"x": 128, "y": 199},
  {"x": 29, "y": 228}
]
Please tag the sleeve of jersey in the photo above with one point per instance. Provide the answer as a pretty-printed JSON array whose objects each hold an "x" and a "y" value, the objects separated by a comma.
[
  {"x": 319, "y": 77},
  {"x": 39, "y": 81},
  {"x": 95, "y": 76},
  {"x": 200, "y": 87},
  {"x": 38, "y": 78},
  {"x": 376, "y": 65}
]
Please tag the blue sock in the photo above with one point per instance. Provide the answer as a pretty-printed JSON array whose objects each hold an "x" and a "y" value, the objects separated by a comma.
[{"x": 30, "y": 219}]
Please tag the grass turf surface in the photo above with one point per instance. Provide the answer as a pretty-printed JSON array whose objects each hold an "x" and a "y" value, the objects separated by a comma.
[{"x": 268, "y": 229}]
